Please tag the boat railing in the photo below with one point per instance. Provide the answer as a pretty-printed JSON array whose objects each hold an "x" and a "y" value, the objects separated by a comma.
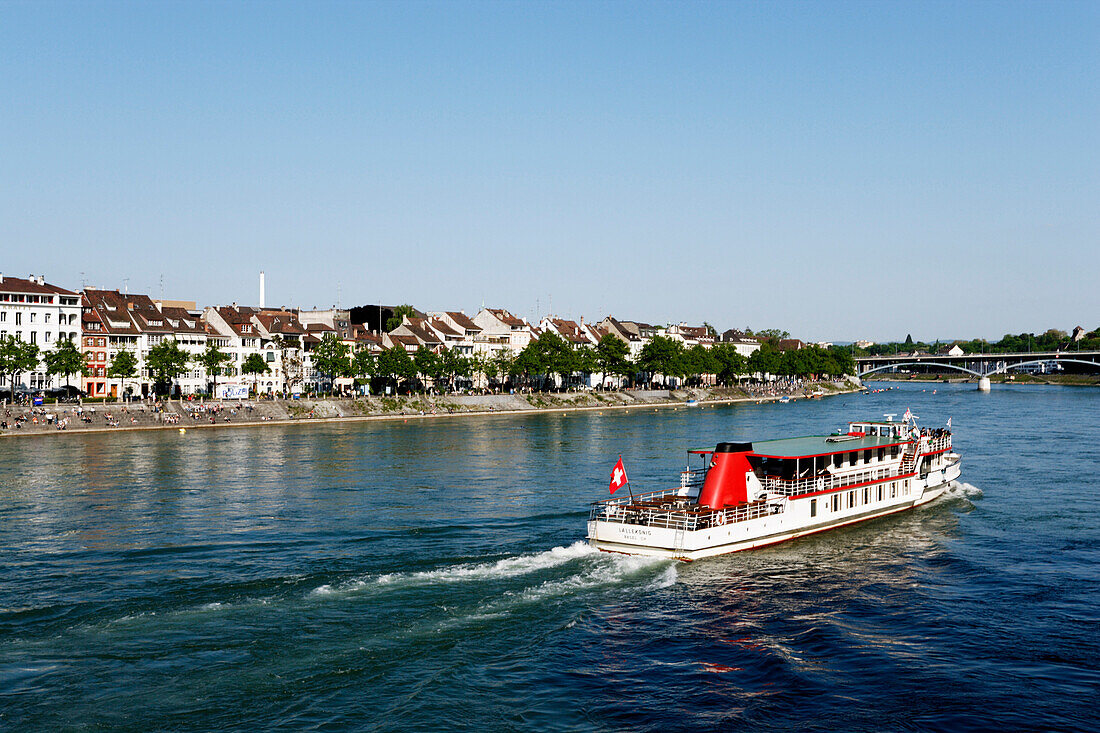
[
  {"x": 688, "y": 517},
  {"x": 938, "y": 444},
  {"x": 826, "y": 482},
  {"x": 692, "y": 478}
]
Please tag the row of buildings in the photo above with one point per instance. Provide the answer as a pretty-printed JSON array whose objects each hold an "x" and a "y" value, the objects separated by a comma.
[{"x": 104, "y": 322}]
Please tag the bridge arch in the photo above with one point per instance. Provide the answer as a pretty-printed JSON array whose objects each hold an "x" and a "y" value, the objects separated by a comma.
[
  {"x": 921, "y": 364},
  {"x": 1059, "y": 360}
]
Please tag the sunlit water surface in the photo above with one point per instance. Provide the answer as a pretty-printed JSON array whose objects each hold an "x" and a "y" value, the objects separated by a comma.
[{"x": 432, "y": 575}]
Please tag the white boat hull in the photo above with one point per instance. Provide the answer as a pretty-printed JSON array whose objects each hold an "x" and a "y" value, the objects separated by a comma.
[{"x": 798, "y": 518}]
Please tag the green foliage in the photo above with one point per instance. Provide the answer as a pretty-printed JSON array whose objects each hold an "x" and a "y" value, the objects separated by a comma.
[
  {"x": 16, "y": 356},
  {"x": 428, "y": 364},
  {"x": 729, "y": 364},
  {"x": 364, "y": 364},
  {"x": 123, "y": 365},
  {"x": 396, "y": 364},
  {"x": 65, "y": 359},
  {"x": 613, "y": 356},
  {"x": 453, "y": 365},
  {"x": 254, "y": 364},
  {"x": 331, "y": 357},
  {"x": 213, "y": 359},
  {"x": 662, "y": 356},
  {"x": 399, "y": 314},
  {"x": 166, "y": 361},
  {"x": 772, "y": 336}
]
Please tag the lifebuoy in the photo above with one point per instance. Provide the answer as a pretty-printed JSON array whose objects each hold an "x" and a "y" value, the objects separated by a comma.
[{"x": 720, "y": 519}]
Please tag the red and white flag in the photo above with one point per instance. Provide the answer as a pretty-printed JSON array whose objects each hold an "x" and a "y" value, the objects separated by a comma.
[
  {"x": 618, "y": 476},
  {"x": 907, "y": 416}
]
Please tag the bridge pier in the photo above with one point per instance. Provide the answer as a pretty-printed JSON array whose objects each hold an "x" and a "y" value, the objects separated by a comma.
[{"x": 983, "y": 384}]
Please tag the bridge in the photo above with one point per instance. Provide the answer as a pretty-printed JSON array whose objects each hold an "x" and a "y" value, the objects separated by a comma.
[{"x": 982, "y": 366}]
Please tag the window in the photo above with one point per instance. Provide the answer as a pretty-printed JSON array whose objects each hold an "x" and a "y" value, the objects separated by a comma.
[
  {"x": 34, "y": 316},
  {"x": 851, "y": 499},
  {"x": 866, "y": 494},
  {"x": 853, "y": 458},
  {"x": 46, "y": 318},
  {"x": 34, "y": 337},
  {"x": 880, "y": 492},
  {"x": 893, "y": 489},
  {"x": 813, "y": 507},
  {"x": 867, "y": 456},
  {"x": 3, "y": 316},
  {"x": 881, "y": 454},
  {"x": 836, "y": 502},
  {"x": 838, "y": 460},
  {"x": 19, "y": 319}
]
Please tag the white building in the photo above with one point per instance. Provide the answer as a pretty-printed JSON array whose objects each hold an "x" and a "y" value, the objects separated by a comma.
[{"x": 34, "y": 311}]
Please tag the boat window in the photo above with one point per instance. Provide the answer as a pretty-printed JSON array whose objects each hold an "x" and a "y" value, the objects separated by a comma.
[
  {"x": 819, "y": 464},
  {"x": 851, "y": 499},
  {"x": 866, "y": 495},
  {"x": 894, "y": 450},
  {"x": 853, "y": 458},
  {"x": 836, "y": 502},
  {"x": 867, "y": 456},
  {"x": 880, "y": 492},
  {"x": 813, "y": 507},
  {"x": 881, "y": 454},
  {"x": 838, "y": 460}
]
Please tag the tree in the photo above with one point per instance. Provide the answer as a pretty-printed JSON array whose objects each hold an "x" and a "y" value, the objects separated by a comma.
[
  {"x": 65, "y": 359},
  {"x": 123, "y": 366},
  {"x": 16, "y": 356},
  {"x": 398, "y": 316},
  {"x": 166, "y": 361},
  {"x": 364, "y": 365},
  {"x": 501, "y": 363},
  {"x": 453, "y": 364},
  {"x": 555, "y": 355},
  {"x": 331, "y": 358},
  {"x": 212, "y": 360},
  {"x": 428, "y": 365},
  {"x": 255, "y": 365},
  {"x": 730, "y": 364},
  {"x": 765, "y": 360},
  {"x": 290, "y": 356},
  {"x": 662, "y": 355},
  {"x": 396, "y": 364},
  {"x": 613, "y": 356},
  {"x": 772, "y": 335}
]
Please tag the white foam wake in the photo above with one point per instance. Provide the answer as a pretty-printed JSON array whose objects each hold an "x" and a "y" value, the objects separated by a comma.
[
  {"x": 508, "y": 567},
  {"x": 961, "y": 488}
]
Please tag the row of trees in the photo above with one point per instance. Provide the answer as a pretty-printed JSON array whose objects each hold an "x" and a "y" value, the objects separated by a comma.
[
  {"x": 551, "y": 359},
  {"x": 1050, "y": 340},
  {"x": 166, "y": 361}
]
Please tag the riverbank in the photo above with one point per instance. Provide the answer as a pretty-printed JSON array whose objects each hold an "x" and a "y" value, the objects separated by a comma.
[{"x": 188, "y": 415}]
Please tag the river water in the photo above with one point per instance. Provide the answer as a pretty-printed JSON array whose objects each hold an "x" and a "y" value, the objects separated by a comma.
[{"x": 431, "y": 575}]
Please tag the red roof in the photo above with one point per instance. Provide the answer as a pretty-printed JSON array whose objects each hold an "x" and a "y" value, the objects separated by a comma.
[{"x": 10, "y": 284}]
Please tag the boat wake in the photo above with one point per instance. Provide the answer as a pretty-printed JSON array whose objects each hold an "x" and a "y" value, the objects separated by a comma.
[
  {"x": 595, "y": 568},
  {"x": 965, "y": 490}
]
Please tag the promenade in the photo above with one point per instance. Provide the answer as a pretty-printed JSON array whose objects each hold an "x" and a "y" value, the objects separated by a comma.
[{"x": 63, "y": 418}]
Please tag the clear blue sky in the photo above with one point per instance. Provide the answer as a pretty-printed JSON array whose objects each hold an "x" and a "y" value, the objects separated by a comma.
[{"x": 840, "y": 170}]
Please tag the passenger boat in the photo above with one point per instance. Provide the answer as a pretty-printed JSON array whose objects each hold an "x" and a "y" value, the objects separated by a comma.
[{"x": 749, "y": 495}]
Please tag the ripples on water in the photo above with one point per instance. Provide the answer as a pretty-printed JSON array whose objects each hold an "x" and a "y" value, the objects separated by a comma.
[{"x": 432, "y": 576}]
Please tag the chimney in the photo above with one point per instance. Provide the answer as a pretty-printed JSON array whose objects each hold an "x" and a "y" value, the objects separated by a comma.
[{"x": 261, "y": 288}]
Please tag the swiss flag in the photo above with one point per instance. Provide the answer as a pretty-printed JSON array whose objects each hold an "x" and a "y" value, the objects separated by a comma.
[{"x": 618, "y": 476}]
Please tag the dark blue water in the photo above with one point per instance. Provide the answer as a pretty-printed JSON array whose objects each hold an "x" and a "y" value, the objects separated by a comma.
[{"x": 431, "y": 576}]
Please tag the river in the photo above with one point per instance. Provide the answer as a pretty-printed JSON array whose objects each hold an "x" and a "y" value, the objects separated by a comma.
[{"x": 432, "y": 575}]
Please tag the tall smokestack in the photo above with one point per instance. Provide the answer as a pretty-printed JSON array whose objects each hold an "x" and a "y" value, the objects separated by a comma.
[{"x": 261, "y": 288}]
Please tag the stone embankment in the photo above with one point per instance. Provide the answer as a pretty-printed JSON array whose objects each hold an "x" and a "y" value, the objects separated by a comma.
[{"x": 186, "y": 414}]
